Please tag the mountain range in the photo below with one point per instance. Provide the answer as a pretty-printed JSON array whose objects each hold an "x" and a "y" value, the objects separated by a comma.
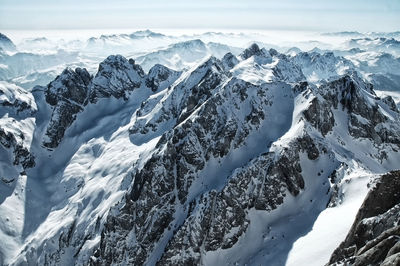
[{"x": 226, "y": 156}]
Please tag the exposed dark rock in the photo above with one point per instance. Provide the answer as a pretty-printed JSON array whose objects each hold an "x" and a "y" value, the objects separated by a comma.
[
  {"x": 373, "y": 238},
  {"x": 220, "y": 218},
  {"x": 22, "y": 155},
  {"x": 184, "y": 98},
  {"x": 64, "y": 113},
  {"x": 390, "y": 102},
  {"x": 70, "y": 86},
  {"x": 324, "y": 66},
  {"x": 71, "y": 91},
  {"x": 68, "y": 94},
  {"x": 229, "y": 61},
  {"x": 19, "y": 106},
  {"x": 320, "y": 116},
  {"x": 116, "y": 77},
  {"x": 17, "y": 102},
  {"x": 252, "y": 50},
  {"x": 160, "y": 77}
]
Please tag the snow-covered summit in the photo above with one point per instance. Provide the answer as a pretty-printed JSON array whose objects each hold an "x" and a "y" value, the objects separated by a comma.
[
  {"x": 6, "y": 44},
  {"x": 160, "y": 77},
  {"x": 317, "y": 66},
  {"x": 229, "y": 61},
  {"x": 253, "y": 50},
  {"x": 116, "y": 76}
]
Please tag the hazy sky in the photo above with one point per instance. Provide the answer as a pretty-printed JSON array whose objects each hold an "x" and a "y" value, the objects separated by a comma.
[{"x": 325, "y": 15}]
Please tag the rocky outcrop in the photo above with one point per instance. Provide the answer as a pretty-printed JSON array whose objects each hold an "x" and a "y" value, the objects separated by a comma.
[
  {"x": 21, "y": 153},
  {"x": 160, "y": 77},
  {"x": 374, "y": 237},
  {"x": 17, "y": 111},
  {"x": 67, "y": 94},
  {"x": 116, "y": 77},
  {"x": 229, "y": 61},
  {"x": 181, "y": 100},
  {"x": 253, "y": 50},
  {"x": 219, "y": 219},
  {"x": 285, "y": 69},
  {"x": 16, "y": 102},
  {"x": 365, "y": 120},
  {"x": 182, "y": 154}
]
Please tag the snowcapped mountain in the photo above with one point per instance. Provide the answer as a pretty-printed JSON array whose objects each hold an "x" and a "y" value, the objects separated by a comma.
[
  {"x": 27, "y": 69},
  {"x": 6, "y": 44},
  {"x": 38, "y": 60},
  {"x": 381, "y": 44},
  {"x": 236, "y": 160},
  {"x": 183, "y": 55},
  {"x": 317, "y": 66}
]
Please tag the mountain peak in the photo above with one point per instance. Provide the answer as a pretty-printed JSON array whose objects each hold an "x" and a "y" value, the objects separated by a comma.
[
  {"x": 116, "y": 76},
  {"x": 6, "y": 44},
  {"x": 191, "y": 44},
  {"x": 252, "y": 50},
  {"x": 229, "y": 61},
  {"x": 160, "y": 77},
  {"x": 145, "y": 33}
]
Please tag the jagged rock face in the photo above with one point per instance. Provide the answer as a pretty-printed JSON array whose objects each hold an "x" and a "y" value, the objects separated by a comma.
[
  {"x": 267, "y": 66},
  {"x": 70, "y": 86},
  {"x": 373, "y": 238},
  {"x": 365, "y": 119},
  {"x": 229, "y": 61},
  {"x": 15, "y": 101},
  {"x": 180, "y": 101},
  {"x": 286, "y": 70},
  {"x": 160, "y": 77},
  {"x": 22, "y": 156},
  {"x": 116, "y": 77},
  {"x": 71, "y": 91},
  {"x": 253, "y": 50},
  {"x": 320, "y": 116},
  {"x": 64, "y": 114},
  {"x": 68, "y": 94},
  {"x": 219, "y": 219},
  {"x": 390, "y": 102},
  {"x": 327, "y": 66},
  {"x": 16, "y": 106}
]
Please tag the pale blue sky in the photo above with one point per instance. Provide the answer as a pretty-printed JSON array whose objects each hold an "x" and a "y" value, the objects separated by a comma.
[{"x": 324, "y": 15}]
